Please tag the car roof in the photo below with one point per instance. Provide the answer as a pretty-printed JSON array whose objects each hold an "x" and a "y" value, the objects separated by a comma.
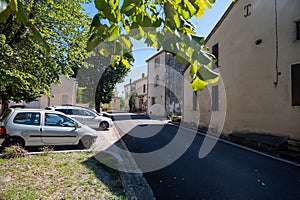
[
  {"x": 26, "y": 109},
  {"x": 33, "y": 110},
  {"x": 66, "y": 107},
  {"x": 72, "y": 107}
]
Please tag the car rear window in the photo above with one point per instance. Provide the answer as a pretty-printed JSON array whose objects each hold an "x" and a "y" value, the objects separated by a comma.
[
  {"x": 5, "y": 114},
  {"x": 27, "y": 118}
]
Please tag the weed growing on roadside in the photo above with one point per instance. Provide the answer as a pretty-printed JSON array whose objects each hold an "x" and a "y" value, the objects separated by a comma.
[
  {"x": 14, "y": 152},
  {"x": 46, "y": 150}
]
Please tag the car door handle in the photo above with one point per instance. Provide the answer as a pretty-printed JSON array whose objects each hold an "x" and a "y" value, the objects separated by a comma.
[{"x": 41, "y": 129}]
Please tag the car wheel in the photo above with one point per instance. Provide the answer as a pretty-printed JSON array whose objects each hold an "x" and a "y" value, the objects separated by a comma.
[
  {"x": 85, "y": 143},
  {"x": 14, "y": 142},
  {"x": 104, "y": 125}
]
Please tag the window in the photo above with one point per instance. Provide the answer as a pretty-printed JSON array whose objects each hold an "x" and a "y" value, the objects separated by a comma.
[
  {"x": 89, "y": 113},
  {"x": 5, "y": 114},
  {"x": 215, "y": 98},
  {"x": 27, "y": 118},
  {"x": 144, "y": 88},
  {"x": 52, "y": 119},
  {"x": 65, "y": 99},
  {"x": 153, "y": 100},
  {"x": 296, "y": 85},
  {"x": 157, "y": 62},
  {"x": 156, "y": 81},
  {"x": 215, "y": 52},
  {"x": 82, "y": 112},
  {"x": 65, "y": 111},
  {"x": 195, "y": 100},
  {"x": 298, "y": 30}
]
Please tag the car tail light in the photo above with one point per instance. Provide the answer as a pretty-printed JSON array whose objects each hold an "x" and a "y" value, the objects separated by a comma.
[{"x": 2, "y": 130}]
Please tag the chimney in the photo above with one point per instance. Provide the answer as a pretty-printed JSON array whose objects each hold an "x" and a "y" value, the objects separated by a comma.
[{"x": 143, "y": 75}]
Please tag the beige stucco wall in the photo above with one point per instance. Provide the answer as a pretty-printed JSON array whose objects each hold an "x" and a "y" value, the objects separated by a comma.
[
  {"x": 127, "y": 96},
  {"x": 159, "y": 92},
  {"x": 139, "y": 86},
  {"x": 141, "y": 94},
  {"x": 66, "y": 89},
  {"x": 254, "y": 103},
  {"x": 115, "y": 103},
  {"x": 204, "y": 116}
]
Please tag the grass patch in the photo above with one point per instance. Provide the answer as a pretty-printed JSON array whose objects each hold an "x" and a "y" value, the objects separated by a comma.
[{"x": 74, "y": 175}]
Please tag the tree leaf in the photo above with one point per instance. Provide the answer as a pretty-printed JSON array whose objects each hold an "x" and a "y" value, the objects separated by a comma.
[
  {"x": 22, "y": 15},
  {"x": 190, "y": 6},
  {"x": 126, "y": 41},
  {"x": 39, "y": 38},
  {"x": 13, "y": 5},
  {"x": 95, "y": 23},
  {"x": 177, "y": 20},
  {"x": 114, "y": 32},
  {"x": 4, "y": 15},
  {"x": 198, "y": 39},
  {"x": 93, "y": 42},
  {"x": 193, "y": 69},
  {"x": 126, "y": 63},
  {"x": 198, "y": 84},
  {"x": 114, "y": 4},
  {"x": 208, "y": 75}
]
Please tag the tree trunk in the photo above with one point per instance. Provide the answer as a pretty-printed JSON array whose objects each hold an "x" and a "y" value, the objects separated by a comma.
[
  {"x": 97, "y": 105},
  {"x": 4, "y": 105}
]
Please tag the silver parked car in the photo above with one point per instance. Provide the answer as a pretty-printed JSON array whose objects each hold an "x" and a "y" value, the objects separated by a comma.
[
  {"x": 37, "y": 127},
  {"x": 85, "y": 115}
]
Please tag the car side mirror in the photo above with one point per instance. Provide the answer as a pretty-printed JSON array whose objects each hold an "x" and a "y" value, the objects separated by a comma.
[{"x": 77, "y": 126}]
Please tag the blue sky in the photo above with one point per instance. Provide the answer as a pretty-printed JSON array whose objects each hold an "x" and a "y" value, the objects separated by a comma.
[{"x": 141, "y": 52}]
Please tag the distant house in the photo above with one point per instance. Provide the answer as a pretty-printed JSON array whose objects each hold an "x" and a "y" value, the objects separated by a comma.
[
  {"x": 141, "y": 93},
  {"x": 257, "y": 44},
  {"x": 138, "y": 88},
  {"x": 115, "y": 103},
  {"x": 165, "y": 84},
  {"x": 63, "y": 93}
]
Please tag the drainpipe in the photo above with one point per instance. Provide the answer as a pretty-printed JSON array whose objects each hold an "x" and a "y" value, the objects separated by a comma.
[{"x": 277, "y": 73}]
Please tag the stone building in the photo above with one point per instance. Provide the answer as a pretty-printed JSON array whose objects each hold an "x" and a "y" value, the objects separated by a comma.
[
  {"x": 165, "y": 85},
  {"x": 257, "y": 44}
]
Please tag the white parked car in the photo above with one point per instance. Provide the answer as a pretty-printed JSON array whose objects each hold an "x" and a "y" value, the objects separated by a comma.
[
  {"x": 86, "y": 116},
  {"x": 37, "y": 127}
]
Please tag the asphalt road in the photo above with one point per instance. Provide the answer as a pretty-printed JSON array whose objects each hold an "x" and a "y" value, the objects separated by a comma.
[{"x": 227, "y": 172}]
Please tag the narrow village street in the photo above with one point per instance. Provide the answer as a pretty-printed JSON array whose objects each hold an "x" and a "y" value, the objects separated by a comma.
[{"x": 228, "y": 172}]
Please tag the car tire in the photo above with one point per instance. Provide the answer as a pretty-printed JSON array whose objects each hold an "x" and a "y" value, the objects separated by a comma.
[
  {"x": 85, "y": 142},
  {"x": 103, "y": 125},
  {"x": 13, "y": 141}
]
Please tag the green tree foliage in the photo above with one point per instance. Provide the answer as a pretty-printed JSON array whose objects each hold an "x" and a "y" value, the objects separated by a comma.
[
  {"x": 27, "y": 67},
  {"x": 132, "y": 101},
  {"x": 122, "y": 103},
  {"x": 100, "y": 78},
  {"x": 107, "y": 83},
  {"x": 162, "y": 24}
]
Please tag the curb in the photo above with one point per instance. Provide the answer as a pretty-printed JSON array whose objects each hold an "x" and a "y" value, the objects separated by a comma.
[{"x": 135, "y": 185}]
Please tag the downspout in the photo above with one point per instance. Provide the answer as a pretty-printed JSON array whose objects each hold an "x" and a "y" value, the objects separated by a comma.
[{"x": 277, "y": 73}]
